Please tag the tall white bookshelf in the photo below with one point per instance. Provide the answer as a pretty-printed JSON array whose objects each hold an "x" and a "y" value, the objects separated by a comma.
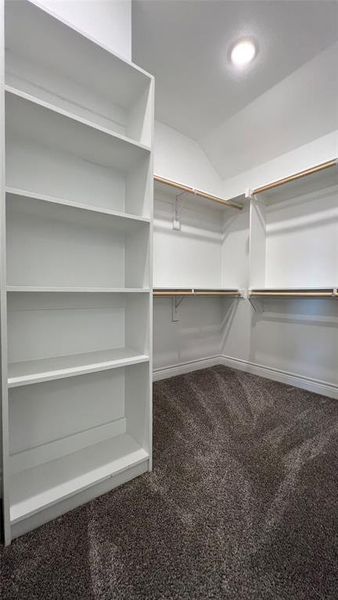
[{"x": 76, "y": 268}]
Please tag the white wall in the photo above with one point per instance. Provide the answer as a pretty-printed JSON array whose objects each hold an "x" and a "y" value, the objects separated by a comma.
[
  {"x": 292, "y": 341},
  {"x": 182, "y": 257},
  {"x": 108, "y": 21},
  {"x": 298, "y": 336},
  {"x": 180, "y": 158},
  {"x": 296, "y": 111},
  {"x": 304, "y": 157},
  {"x": 194, "y": 337}
]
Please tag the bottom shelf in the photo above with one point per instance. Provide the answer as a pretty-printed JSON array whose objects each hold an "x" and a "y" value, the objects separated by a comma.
[{"x": 38, "y": 488}]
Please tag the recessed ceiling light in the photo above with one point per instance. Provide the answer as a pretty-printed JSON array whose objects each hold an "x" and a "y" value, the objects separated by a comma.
[{"x": 243, "y": 53}]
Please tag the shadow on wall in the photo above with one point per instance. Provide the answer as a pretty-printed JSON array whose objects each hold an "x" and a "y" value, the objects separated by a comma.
[
  {"x": 195, "y": 335},
  {"x": 297, "y": 336}
]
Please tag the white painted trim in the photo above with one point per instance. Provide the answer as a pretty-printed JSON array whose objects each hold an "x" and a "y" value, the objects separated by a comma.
[
  {"x": 306, "y": 383},
  {"x": 186, "y": 367},
  {"x": 317, "y": 386}
]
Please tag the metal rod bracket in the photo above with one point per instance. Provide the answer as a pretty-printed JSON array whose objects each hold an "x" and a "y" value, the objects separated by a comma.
[
  {"x": 177, "y": 217},
  {"x": 175, "y": 302},
  {"x": 249, "y": 194}
]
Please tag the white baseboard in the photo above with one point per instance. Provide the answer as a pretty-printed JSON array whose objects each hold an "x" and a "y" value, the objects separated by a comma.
[
  {"x": 186, "y": 367},
  {"x": 306, "y": 383}
]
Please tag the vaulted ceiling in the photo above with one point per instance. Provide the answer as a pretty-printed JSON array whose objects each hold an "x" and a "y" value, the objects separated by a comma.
[{"x": 185, "y": 44}]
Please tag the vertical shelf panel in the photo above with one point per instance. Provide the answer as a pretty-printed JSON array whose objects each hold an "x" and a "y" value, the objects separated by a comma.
[
  {"x": 4, "y": 435},
  {"x": 257, "y": 244}
]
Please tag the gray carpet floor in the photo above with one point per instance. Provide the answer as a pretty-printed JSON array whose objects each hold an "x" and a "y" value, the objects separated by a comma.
[{"x": 241, "y": 505}]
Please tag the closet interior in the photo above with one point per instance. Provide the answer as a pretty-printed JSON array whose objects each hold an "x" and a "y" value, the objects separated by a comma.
[
  {"x": 90, "y": 235},
  {"x": 259, "y": 255}
]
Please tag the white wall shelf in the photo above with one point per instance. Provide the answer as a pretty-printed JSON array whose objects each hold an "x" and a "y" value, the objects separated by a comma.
[
  {"x": 121, "y": 218},
  {"x": 196, "y": 236},
  {"x": 60, "y": 367},
  {"x": 43, "y": 122},
  {"x": 170, "y": 292},
  {"x": 294, "y": 231},
  {"x": 198, "y": 197},
  {"x": 295, "y": 293},
  {"x": 74, "y": 72},
  {"x": 52, "y": 244},
  {"x": 315, "y": 178},
  {"x": 73, "y": 118},
  {"x": 76, "y": 269},
  {"x": 76, "y": 290},
  {"x": 53, "y": 154},
  {"x": 78, "y": 452},
  {"x": 279, "y": 253},
  {"x": 40, "y": 487}
]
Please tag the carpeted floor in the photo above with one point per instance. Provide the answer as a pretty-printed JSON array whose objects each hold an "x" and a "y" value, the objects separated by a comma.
[{"x": 241, "y": 505}]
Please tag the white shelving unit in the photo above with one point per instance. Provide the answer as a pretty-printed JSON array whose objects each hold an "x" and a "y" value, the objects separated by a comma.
[
  {"x": 294, "y": 233},
  {"x": 76, "y": 277},
  {"x": 196, "y": 235}
]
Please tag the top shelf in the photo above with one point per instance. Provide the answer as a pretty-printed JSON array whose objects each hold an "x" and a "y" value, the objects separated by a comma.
[
  {"x": 175, "y": 188},
  {"x": 318, "y": 177},
  {"x": 47, "y": 57}
]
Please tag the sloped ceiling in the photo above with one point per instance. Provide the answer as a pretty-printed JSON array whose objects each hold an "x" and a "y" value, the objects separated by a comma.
[{"x": 287, "y": 97}]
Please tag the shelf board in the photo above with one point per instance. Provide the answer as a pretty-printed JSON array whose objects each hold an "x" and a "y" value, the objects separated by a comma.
[
  {"x": 46, "y": 124},
  {"x": 75, "y": 290},
  {"x": 174, "y": 188},
  {"x": 60, "y": 367},
  {"x": 40, "y": 487},
  {"x": 318, "y": 177},
  {"x": 293, "y": 293},
  {"x": 170, "y": 292},
  {"x": 122, "y": 219}
]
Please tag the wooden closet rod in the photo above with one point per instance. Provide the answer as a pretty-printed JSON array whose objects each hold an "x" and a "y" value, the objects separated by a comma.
[
  {"x": 192, "y": 292},
  {"x": 275, "y": 184},
  {"x": 195, "y": 192},
  {"x": 169, "y": 294},
  {"x": 295, "y": 294},
  {"x": 220, "y": 293}
]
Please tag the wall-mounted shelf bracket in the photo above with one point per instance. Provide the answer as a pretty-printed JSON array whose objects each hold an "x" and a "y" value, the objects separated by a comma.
[
  {"x": 177, "y": 296},
  {"x": 256, "y": 305},
  {"x": 175, "y": 302},
  {"x": 248, "y": 194},
  {"x": 177, "y": 216}
]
